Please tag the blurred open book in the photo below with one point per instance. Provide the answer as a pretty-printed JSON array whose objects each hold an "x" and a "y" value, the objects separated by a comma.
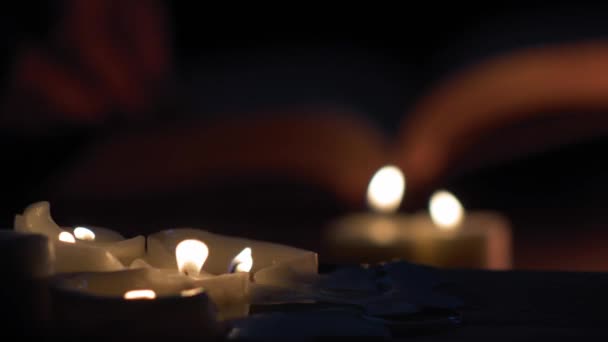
[{"x": 338, "y": 152}]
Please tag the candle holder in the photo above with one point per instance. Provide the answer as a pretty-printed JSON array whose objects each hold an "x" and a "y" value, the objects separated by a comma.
[
  {"x": 27, "y": 262},
  {"x": 274, "y": 263},
  {"x": 482, "y": 240},
  {"x": 131, "y": 303}
]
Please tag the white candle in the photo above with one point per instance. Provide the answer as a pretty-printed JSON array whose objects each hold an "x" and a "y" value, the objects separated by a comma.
[
  {"x": 27, "y": 262},
  {"x": 140, "y": 302},
  {"x": 125, "y": 250},
  {"x": 81, "y": 249},
  {"x": 74, "y": 256},
  {"x": 223, "y": 249},
  {"x": 229, "y": 292},
  {"x": 444, "y": 236},
  {"x": 277, "y": 264},
  {"x": 36, "y": 218}
]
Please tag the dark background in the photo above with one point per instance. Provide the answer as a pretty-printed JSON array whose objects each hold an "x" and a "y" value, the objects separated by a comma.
[{"x": 378, "y": 62}]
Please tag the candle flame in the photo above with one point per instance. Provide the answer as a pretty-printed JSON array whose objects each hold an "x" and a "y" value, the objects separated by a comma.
[
  {"x": 192, "y": 292},
  {"x": 140, "y": 294},
  {"x": 446, "y": 211},
  {"x": 82, "y": 233},
  {"x": 66, "y": 237},
  {"x": 386, "y": 189},
  {"x": 191, "y": 256},
  {"x": 242, "y": 262}
]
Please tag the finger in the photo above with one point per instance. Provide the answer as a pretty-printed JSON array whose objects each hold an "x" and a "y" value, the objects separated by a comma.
[
  {"x": 146, "y": 29},
  {"x": 511, "y": 88},
  {"x": 63, "y": 91},
  {"x": 89, "y": 25}
]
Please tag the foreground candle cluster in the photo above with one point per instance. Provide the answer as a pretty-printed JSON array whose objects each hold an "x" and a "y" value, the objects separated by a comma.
[{"x": 175, "y": 266}]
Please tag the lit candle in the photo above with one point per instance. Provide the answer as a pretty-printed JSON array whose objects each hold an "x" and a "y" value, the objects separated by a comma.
[
  {"x": 81, "y": 249},
  {"x": 140, "y": 302},
  {"x": 230, "y": 291},
  {"x": 224, "y": 266},
  {"x": 72, "y": 256},
  {"x": 223, "y": 249},
  {"x": 443, "y": 236},
  {"x": 27, "y": 262}
]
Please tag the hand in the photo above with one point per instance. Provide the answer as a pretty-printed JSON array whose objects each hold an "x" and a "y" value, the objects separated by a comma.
[
  {"x": 504, "y": 108},
  {"x": 102, "y": 57}
]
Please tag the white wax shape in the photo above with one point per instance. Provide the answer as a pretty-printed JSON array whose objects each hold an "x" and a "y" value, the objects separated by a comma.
[
  {"x": 86, "y": 302},
  {"x": 108, "y": 248},
  {"x": 140, "y": 263},
  {"x": 37, "y": 218},
  {"x": 288, "y": 274},
  {"x": 27, "y": 255},
  {"x": 26, "y": 261},
  {"x": 229, "y": 292},
  {"x": 19, "y": 223},
  {"x": 80, "y": 257},
  {"x": 222, "y": 249},
  {"x": 117, "y": 283},
  {"x": 126, "y": 250}
]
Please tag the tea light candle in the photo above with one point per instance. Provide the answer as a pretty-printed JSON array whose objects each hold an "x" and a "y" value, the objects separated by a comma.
[
  {"x": 72, "y": 256},
  {"x": 95, "y": 249},
  {"x": 141, "y": 302},
  {"x": 219, "y": 254},
  {"x": 27, "y": 262},
  {"x": 170, "y": 258},
  {"x": 445, "y": 236},
  {"x": 229, "y": 291},
  {"x": 223, "y": 249}
]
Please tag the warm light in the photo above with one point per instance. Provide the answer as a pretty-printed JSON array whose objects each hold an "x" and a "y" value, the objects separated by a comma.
[
  {"x": 140, "y": 294},
  {"x": 66, "y": 237},
  {"x": 191, "y": 256},
  {"x": 242, "y": 262},
  {"x": 446, "y": 211},
  {"x": 82, "y": 233},
  {"x": 383, "y": 232},
  {"x": 386, "y": 189},
  {"x": 191, "y": 292}
]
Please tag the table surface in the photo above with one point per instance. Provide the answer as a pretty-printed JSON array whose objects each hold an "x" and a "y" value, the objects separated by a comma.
[{"x": 516, "y": 305}]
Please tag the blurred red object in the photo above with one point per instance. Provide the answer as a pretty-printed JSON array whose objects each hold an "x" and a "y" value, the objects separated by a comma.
[{"x": 103, "y": 57}]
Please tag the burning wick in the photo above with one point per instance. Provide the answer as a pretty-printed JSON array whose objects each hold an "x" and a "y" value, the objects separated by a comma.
[
  {"x": 140, "y": 294},
  {"x": 242, "y": 262},
  {"x": 386, "y": 189},
  {"x": 446, "y": 211},
  {"x": 66, "y": 237},
  {"x": 191, "y": 256},
  {"x": 83, "y": 233}
]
